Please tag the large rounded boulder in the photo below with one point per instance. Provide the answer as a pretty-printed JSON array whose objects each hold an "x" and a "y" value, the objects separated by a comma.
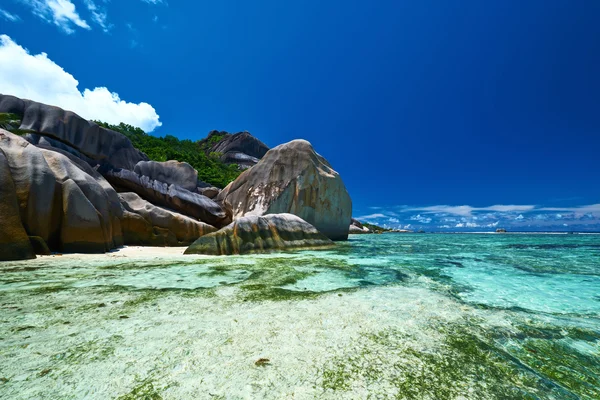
[
  {"x": 255, "y": 234},
  {"x": 170, "y": 172},
  {"x": 62, "y": 203},
  {"x": 293, "y": 178},
  {"x": 14, "y": 242}
]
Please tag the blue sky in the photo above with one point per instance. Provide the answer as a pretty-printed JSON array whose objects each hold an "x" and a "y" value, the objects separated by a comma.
[{"x": 423, "y": 107}]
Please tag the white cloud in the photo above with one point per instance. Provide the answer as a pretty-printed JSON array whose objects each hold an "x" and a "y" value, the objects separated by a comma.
[
  {"x": 420, "y": 218},
  {"x": 99, "y": 15},
  {"x": 38, "y": 78},
  {"x": 467, "y": 211},
  {"x": 520, "y": 217},
  {"x": 589, "y": 209},
  {"x": 60, "y": 12},
  {"x": 8, "y": 16},
  {"x": 152, "y": 1},
  {"x": 371, "y": 216}
]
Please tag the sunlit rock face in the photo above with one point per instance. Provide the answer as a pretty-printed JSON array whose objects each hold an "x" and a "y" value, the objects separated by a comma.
[
  {"x": 357, "y": 228},
  {"x": 293, "y": 178},
  {"x": 102, "y": 145},
  {"x": 14, "y": 243},
  {"x": 61, "y": 200},
  {"x": 252, "y": 234},
  {"x": 144, "y": 223}
]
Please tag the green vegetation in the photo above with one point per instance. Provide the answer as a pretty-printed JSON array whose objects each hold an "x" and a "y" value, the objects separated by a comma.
[
  {"x": 375, "y": 228},
  {"x": 11, "y": 123},
  {"x": 210, "y": 168}
]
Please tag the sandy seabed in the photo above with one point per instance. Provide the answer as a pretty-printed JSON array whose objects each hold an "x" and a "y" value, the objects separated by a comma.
[{"x": 151, "y": 323}]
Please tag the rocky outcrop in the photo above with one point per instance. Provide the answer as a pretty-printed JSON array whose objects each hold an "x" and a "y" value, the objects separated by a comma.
[
  {"x": 171, "y": 196},
  {"x": 60, "y": 199},
  {"x": 91, "y": 210},
  {"x": 293, "y": 178},
  {"x": 357, "y": 228},
  {"x": 14, "y": 243},
  {"x": 100, "y": 144},
  {"x": 239, "y": 148},
  {"x": 147, "y": 224},
  {"x": 53, "y": 144},
  {"x": 254, "y": 234},
  {"x": 170, "y": 172}
]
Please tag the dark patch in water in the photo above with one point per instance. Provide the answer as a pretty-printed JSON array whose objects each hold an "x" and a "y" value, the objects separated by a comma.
[{"x": 19, "y": 269}]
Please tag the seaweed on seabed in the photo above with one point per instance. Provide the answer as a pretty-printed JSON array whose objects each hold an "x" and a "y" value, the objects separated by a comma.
[
  {"x": 145, "y": 390},
  {"x": 465, "y": 364}
]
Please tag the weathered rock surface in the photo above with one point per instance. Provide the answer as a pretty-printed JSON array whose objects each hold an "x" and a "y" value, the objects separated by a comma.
[
  {"x": 171, "y": 196},
  {"x": 239, "y": 148},
  {"x": 60, "y": 199},
  {"x": 91, "y": 210},
  {"x": 100, "y": 144},
  {"x": 14, "y": 243},
  {"x": 170, "y": 172},
  {"x": 357, "y": 228},
  {"x": 55, "y": 145},
  {"x": 293, "y": 178},
  {"x": 254, "y": 233},
  {"x": 210, "y": 192},
  {"x": 147, "y": 224}
]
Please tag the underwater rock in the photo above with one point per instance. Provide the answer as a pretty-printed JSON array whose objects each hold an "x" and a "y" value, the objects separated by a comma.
[
  {"x": 293, "y": 178},
  {"x": 253, "y": 233}
]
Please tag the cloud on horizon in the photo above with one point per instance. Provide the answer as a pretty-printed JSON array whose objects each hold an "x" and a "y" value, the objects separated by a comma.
[
  {"x": 465, "y": 217},
  {"x": 38, "y": 78}
]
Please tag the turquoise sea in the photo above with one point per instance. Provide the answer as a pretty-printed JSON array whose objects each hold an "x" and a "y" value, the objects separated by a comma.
[{"x": 398, "y": 316}]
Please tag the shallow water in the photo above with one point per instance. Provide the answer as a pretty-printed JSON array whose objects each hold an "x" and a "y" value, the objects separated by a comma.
[{"x": 381, "y": 316}]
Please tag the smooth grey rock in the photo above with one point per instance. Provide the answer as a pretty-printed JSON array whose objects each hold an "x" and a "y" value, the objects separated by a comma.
[
  {"x": 293, "y": 178},
  {"x": 254, "y": 234},
  {"x": 171, "y": 196},
  {"x": 14, "y": 243},
  {"x": 102, "y": 145},
  {"x": 53, "y": 144},
  {"x": 62, "y": 201},
  {"x": 35, "y": 185},
  {"x": 171, "y": 172},
  {"x": 162, "y": 227},
  {"x": 97, "y": 192},
  {"x": 239, "y": 148}
]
